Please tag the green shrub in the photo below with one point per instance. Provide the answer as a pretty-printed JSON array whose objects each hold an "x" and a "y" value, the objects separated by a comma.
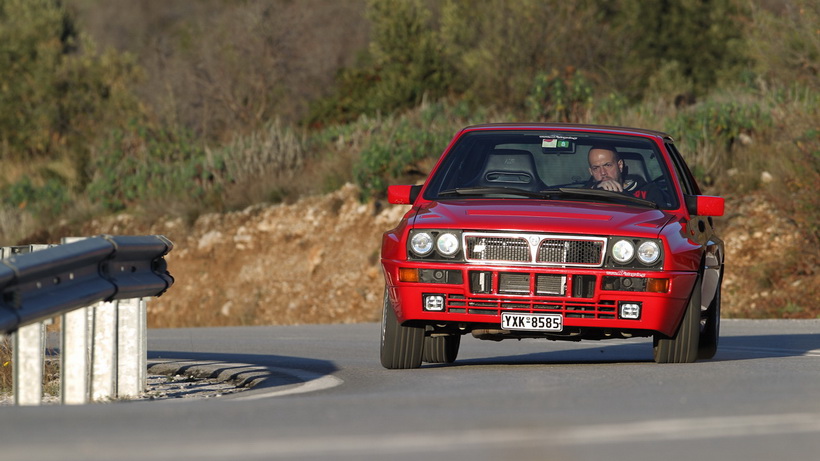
[
  {"x": 57, "y": 93},
  {"x": 47, "y": 200},
  {"x": 560, "y": 98},
  {"x": 403, "y": 65},
  {"x": 709, "y": 131},
  {"x": 398, "y": 150},
  {"x": 144, "y": 165},
  {"x": 784, "y": 43}
]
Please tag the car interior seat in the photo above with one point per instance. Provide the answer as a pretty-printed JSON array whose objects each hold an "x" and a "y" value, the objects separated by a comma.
[
  {"x": 510, "y": 168},
  {"x": 634, "y": 167}
]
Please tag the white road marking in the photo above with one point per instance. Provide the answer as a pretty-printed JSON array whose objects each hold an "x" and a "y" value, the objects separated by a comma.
[{"x": 311, "y": 382}]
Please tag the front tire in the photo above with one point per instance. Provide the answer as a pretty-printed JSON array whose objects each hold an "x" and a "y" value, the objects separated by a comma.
[
  {"x": 683, "y": 347},
  {"x": 401, "y": 347},
  {"x": 441, "y": 349},
  {"x": 710, "y": 331}
]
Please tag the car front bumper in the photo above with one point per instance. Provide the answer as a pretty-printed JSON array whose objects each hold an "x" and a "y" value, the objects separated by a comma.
[{"x": 475, "y": 296}]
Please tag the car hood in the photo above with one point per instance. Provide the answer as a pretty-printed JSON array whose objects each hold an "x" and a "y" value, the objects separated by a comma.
[{"x": 562, "y": 217}]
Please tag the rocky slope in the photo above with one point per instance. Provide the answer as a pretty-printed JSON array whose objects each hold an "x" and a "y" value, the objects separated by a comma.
[{"x": 316, "y": 261}]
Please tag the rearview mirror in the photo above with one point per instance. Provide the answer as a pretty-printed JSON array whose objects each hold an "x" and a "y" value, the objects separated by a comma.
[
  {"x": 704, "y": 205},
  {"x": 402, "y": 195}
]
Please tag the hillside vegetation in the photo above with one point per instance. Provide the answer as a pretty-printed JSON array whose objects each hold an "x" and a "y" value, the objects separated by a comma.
[{"x": 178, "y": 112}]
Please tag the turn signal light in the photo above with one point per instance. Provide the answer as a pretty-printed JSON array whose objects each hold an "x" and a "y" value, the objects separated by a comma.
[
  {"x": 408, "y": 275},
  {"x": 657, "y": 285}
]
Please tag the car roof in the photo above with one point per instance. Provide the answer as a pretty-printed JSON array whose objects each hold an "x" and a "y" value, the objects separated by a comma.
[{"x": 569, "y": 126}]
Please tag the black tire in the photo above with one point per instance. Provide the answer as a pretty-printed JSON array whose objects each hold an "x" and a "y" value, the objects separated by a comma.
[
  {"x": 401, "y": 347},
  {"x": 683, "y": 347},
  {"x": 710, "y": 329},
  {"x": 441, "y": 349}
]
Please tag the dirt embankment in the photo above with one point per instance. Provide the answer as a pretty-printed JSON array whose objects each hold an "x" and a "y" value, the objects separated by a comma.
[{"x": 316, "y": 261}]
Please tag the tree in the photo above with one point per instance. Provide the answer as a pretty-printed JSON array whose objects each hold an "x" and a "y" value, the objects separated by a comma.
[{"x": 56, "y": 92}]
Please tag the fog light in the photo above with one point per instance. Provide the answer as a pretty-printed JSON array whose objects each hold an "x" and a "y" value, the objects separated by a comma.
[
  {"x": 434, "y": 303},
  {"x": 630, "y": 311}
]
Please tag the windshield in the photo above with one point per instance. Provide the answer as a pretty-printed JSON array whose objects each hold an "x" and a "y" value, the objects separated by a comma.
[{"x": 561, "y": 165}]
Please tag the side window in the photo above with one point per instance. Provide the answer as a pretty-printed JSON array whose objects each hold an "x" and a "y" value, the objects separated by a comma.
[{"x": 685, "y": 178}]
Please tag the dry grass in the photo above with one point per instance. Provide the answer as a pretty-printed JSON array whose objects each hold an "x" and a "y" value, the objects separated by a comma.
[{"x": 6, "y": 377}]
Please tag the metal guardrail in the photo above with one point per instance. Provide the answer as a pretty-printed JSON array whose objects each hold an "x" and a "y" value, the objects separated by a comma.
[
  {"x": 42, "y": 284},
  {"x": 97, "y": 286}
]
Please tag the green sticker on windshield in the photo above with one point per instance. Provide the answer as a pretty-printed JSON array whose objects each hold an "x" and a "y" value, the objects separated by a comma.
[{"x": 554, "y": 143}]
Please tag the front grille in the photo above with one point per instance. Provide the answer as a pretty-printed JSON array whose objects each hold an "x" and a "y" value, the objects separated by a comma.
[
  {"x": 538, "y": 249},
  {"x": 570, "y": 308},
  {"x": 546, "y": 284},
  {"x": 501, "y": 249},
  {"x": 570, "y": 251},
  {"x": 513, "y": 283}
]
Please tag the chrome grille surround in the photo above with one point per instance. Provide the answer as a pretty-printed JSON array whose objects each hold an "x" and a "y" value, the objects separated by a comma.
[{"x": 534, "y": 249}]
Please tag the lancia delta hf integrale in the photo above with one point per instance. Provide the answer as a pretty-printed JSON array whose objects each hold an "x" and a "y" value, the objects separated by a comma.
[{"x": 563, "y": 232}]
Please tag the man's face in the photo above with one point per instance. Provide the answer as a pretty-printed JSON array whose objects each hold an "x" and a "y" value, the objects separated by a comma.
[{"x": 602, "y": 165}]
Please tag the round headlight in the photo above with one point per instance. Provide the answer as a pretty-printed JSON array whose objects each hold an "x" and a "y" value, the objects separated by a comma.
[
  {"x": 447, "y": 244},
  {"x": 422, "y": 243},
  {"x": 623, "y": 251},
  {"x": 649, "y": 253}
]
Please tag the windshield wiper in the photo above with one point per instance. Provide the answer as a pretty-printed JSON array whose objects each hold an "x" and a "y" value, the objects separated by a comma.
[
  {"x": 563, "y": 192},
  {"x": 599, "y": 193},
  {"x": 490, "y": 191}
]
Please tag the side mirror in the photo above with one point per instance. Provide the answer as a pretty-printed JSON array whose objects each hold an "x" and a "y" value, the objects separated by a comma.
[
  {"x": 704, "y": 205},
  {"x": 402, "y": 195}
]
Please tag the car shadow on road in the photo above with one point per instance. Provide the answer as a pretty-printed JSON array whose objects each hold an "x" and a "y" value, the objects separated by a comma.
[
  {"x": 571, "y": 354},
  {"x": 731, "y": 348}
]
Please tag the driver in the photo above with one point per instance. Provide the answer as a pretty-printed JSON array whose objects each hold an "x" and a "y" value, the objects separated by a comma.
[{"x": 606, "y": 168}]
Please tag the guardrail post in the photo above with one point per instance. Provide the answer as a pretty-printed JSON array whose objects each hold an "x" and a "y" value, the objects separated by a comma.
[
  {"x": 128, "y": 348},
  {"x": 103, "y": 351},
  {"x": 75, "y": 352},
  {"x": 28, "y": 348},
  {"x": 143, "y": 344},
  {"x": 74, "y": 359}
]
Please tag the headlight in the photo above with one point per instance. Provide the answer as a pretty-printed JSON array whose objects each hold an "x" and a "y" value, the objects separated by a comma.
[
  {"x": 623, "y": 251},
  {"x": 648, "y": 253},
  {"x": 447, "y": 244},
  {"x": 422, "y": 243}
]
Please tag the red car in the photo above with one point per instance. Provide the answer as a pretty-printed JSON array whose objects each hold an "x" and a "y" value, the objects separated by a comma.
[{"x": 555, "y": 231}]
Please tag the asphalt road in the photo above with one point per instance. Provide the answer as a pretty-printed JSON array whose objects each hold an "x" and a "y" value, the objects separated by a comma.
[{"x": 327, "y": 397}]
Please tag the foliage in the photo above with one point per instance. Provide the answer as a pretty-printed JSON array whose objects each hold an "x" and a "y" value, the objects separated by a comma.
[
  {"x": 711, "y": 129},
  {"x": 155, "y": 165},
  {"x": 402, "y": 66},
  {"x": 400, "y": 146},
  {"x": 558, "y": 98},
  {"x": 56, "y": 92},
  {"x": 701, "y": 42},
  {"x": 492, "y": 52},
  {"x": 785, "y": 44},
  {"x": 47, "y": 200}
]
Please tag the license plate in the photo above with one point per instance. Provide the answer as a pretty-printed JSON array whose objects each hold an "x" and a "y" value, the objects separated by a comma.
[{"x": 532, "y": 322}]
